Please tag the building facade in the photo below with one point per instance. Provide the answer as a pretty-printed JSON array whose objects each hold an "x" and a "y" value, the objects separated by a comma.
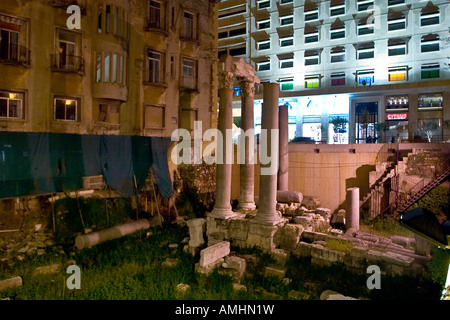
[
  {"x": 142, "y": 67},
  {"x": 380, "y": 64}
]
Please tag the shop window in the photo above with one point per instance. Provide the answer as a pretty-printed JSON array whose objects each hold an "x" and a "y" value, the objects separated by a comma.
[
  {"x": 397, "y": 103},
  {"x": 430, "y": 102},
  {"x": 431, "y": 129}
]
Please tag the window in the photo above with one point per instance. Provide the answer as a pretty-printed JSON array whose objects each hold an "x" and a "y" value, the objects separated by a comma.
[
  {"x": 238, "y": 32},
  {"x": 337, "y": 54},
  {"x": 337, "y": 10},
  {"x": 9, "y": 45},
  {"x": 286, "y": 1},
  {"x": 312, "y": 37},
  {"x": 430, "y": 43},
  {"x": 397, "y": 47},
  {"x": 337, "y": 33},
  {"x": 366, "y": 26},
  {"x": 108, "y": 19},
  {"x": 189, "y": 73},
  {"x": 428, "y": 19},
  {"x": 261, "y": 4},
  {"x": 365, "y": 77},
  {"x": 398, "y": 74},
  {"x": 430, "y": 101},
  {"x": 66, "y": 50},
  {"x": 107, "y": 67},
  {"x": 263, "y": 24},
  {"x": 395, "y": 2},
  {"x": 364, "y": 5},
  {"x": 287, "y": 20},
  {"x": 312, "y": 15},
  {"x": 65, "y": 109},
  {"x": 122, "y": 70},
  {"x": 188, "y": 26},
  {"x": 11, "y": 104},
  {"x": 365, "y": 51},
  {"x": 114, "y": 68},
  {"x": 263, "y": 45},
  {"x": 263, "y": 65},
  {"x": 397, "y": 24},
  {"x": 287, "y": 41},
  {"x": 287, "y": 62},
  {"x": 188, "y": 68},
  {"x": 100, "y": 18},
  {"x": 116, "y": 20},
  {"x": 312, "y": 58},
  {"x": 155, "y": 117},
  {"x": 312, "y": 82},
  {"x": 430, "y": 71},
  {"x": 337, "y": 79},
  {"x": 154, "y": 17},
  {"x": 154, "y": 67},
  {"x": 286, "y": 84},
  {"x": 98, "y": 73},
  {"x": 233, "y": 11},
  {"x": 238, "y": 51}
]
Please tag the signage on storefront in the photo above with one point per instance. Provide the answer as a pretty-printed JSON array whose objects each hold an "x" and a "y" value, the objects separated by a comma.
[{"x": 397, "y": 116}]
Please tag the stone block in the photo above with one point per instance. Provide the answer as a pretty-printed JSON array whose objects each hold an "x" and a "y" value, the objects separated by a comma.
[
  {"x": 262, "y": 230},
  {"x": 311, "y": 236},
  {"x": 303, "y": 249},
  {"x": 45, "y": 270},
  {"x": 305, "y": 221},
  {"x": 253, "y": 240},
  {"x": 275, "y": 272},
  {"x": 280, "y": 256},
  {"x": 403, "y": 241},
  {"x": 213, "y": 253},
  {"x": 182, "y": 288},
  {"x": 236, "y": 263},
  {"x": 397, "y": 259},
  {"x": 208, "y": 269},
  {"x": 324, "y": 212},
  {"x": 324, "y": 256},
  {"x": 311, "y": 202},
  {"x": 11, "y": 283}
]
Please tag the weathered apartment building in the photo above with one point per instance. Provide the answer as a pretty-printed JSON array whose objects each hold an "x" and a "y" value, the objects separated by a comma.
[
  {"x": 103, "y": 99},
  {"x": 136, "y": 67}
]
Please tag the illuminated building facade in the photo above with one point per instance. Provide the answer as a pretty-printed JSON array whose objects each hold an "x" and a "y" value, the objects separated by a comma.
[{"x": 381, "y": 64}]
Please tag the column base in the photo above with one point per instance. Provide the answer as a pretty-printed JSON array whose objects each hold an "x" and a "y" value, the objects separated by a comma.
[
  {"x": 222, "y": 213},
  {"x": 247, "y": 206},
  {"x": 267, "y": 219}
]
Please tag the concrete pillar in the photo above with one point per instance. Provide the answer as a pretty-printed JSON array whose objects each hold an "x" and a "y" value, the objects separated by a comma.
[
  {"x": 222, "y": 206},
  {"x": 283, "y": 125},
  {"x": 267, "y": 213},
  {"x": 413, "y": 115},
  {"x": 247, "y": 170},
  {"x": 352, "y": 209}
]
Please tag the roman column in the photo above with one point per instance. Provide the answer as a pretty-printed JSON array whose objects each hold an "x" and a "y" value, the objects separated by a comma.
[
  {"x": 269, "y": 141},
  {"x": 246, "y": 147},
  {"x": 284, "y": 141},
  {"x": 352, "y": 209},
  {"x": 224, "y": 150}
]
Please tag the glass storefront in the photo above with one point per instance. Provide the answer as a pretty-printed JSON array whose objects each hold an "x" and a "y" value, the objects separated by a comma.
[
  {"x": 397, "y": 118},
  {"x": 366, "y": 117}
]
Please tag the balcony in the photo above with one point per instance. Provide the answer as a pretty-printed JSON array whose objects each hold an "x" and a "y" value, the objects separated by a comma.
[
  {"x": 67, "y": 63},
  {"x": 14, "y": 54}
]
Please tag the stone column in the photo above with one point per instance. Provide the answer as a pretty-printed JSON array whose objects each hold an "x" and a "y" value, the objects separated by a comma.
[
  {"x": 247, "y": 170},
  {"x": 222, "y": 206},
  {"x": 352, "y": 209},
  {"x": 283, "y": 122},
  {"x": 267, "y": 213},
  {"x": 196, "y": 227}
]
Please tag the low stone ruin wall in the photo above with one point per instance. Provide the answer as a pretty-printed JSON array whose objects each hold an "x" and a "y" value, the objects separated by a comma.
[{"x": 307, "y": 233}]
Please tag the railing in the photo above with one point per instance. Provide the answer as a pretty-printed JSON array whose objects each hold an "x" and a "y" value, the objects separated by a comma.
[
  {"x": 408, "y": 198},
  {"x": 15, "y": 54},
  {"x": 67, "y": 63}
]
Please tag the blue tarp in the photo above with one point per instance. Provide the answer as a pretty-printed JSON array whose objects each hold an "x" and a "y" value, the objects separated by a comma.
[{"x": 38, "y": 163}]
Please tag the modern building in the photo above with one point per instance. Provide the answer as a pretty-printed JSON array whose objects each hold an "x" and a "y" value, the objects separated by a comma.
[
  {"x": 140, "y": 68},
  {"x": 381, "y": 64}
]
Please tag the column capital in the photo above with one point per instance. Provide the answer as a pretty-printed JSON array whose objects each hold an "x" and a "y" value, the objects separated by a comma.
[
  {"x": 226, "y": 80},
  {"x": 248, "y": 87}
]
